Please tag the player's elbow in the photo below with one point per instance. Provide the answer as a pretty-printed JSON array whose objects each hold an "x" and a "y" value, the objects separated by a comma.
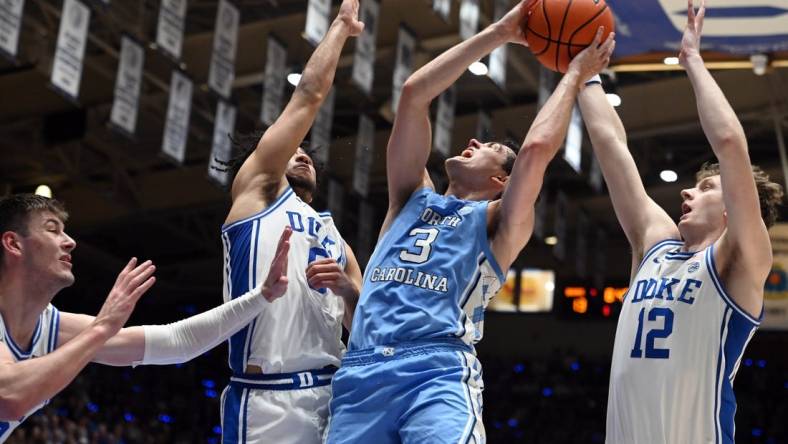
[
  {"x": 538, "y": 148},
  {"x": 413, "y": 93}
]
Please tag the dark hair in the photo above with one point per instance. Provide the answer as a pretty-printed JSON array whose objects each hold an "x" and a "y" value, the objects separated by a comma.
[
  {"x": 244, "y": 144},
  {"x": 511, "y": 156},
  {"x": 770, "y": 194},
  {"x": 15, "y": 211}
]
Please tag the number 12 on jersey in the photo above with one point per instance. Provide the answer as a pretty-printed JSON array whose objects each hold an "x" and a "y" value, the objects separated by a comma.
[{"x": 653, "y": 352}]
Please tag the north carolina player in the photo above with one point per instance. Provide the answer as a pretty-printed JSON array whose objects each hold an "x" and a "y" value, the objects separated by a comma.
[
  {"x": 411, "y": 375},
  {"x": 696, "y": 295},
  {"x": 284, "y": 360}
]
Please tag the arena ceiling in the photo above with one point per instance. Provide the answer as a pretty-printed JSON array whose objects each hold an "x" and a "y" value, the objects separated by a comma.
[{"x": 126, "y": 199}]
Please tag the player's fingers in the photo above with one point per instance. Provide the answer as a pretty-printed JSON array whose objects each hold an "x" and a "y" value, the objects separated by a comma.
[
  {"x": 320, "y": 269},
  {"x": 320, "y": 279},
  {"x": 139, "y": 291},
  {"x": 598, "y": 37},
  {"x": 690, "y": 15},
  {"x": 286, "y": 233},
  {"x": 141, "y": 277},
  {"x": 129, "y": 266}
]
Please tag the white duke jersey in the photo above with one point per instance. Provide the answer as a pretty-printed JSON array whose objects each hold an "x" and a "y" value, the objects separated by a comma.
[
  {"x": 679, "y": 342},
  {"x": 44, "y": 341},
  {"x": 301, "y": 330}
]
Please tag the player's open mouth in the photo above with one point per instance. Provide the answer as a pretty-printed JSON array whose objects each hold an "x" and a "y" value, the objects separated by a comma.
[
  {"x": 467, "y": 153},
  {"x": 66, "y": 258},
  {"x": 685, "y": 210}
]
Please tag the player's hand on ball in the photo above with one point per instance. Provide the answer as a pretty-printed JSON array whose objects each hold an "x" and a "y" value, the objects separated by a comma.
[
  {"x": 690, "y": 42},
  {"x": 132, "y": 282},
  {"x": 513, "y": 23},
  {"x": 348, "y": 14},
  {"x": 595, "y": 58},
  {"x": 327, "y": 273},
  {"x": 275, "y": 284}
]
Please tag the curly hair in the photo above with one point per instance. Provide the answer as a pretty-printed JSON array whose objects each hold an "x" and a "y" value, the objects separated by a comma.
[{"x": 770, "y": 194}]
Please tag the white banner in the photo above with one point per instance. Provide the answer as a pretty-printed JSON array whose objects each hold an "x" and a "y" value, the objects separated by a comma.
[
  {"x": 321, "y": 131},
  {"x": 128, "y": 82},
  {"x": 169, "y": 30},
  {"x": 573, "y": 148},
  {"x": 581, "y": 244},
  {"x": 318, "y": 18},
  {"x": 10, "y": 25},
  {"x": 364, "y": 58},
  {"x": 225, "y": 41},
  {"x": 497, "y": 71},
  {"x": 221, "y": 148},
  {"x": 366, "y": 232},
  {"x": 273, "y": 81},
  {"x": 775, "y": 296},
  {"x": 176, "y": 127},
  {"x": 442, "y": 8},
  {"x": 336, "y": 200},
  {"x": 70, "y": 52},
  {"x": 406, "y": 49},
  {"x": 444, "y": 121},
  {"x": 469, "y": 18},
  {"x": 561, "y": 231},
  {"x": 484, "y": 126},
  {"x": 365, "y": 150}
]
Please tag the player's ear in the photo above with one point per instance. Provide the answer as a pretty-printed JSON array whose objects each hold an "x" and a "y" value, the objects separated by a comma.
[{"x": 11, "y": 243}]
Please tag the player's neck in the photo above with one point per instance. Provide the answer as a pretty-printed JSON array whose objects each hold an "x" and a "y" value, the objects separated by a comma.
[
  {"x": 466, "y": 193},
  {"x": 698, "y": 238},
  {"x": 22, "y": 300},
  {"x": 303, "y": 194}
]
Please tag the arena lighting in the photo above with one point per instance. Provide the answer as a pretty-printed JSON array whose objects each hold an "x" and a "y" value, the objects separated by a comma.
[
  {"x": 613, "y": 99},
  {"x": 478, "y": 69},
  {"x": 293, "y": 78},
  {"x": 668, "y": 175},
  {"x": 44, "y": 190},
  {"x": 574, "y": 292},
  {"x": 671, "y": 61},
  {"x": 759, "y": 63},
  {"x": 612, "y": 294},
  {"x": 606, "y": 311},
  {"x": 551, "y": 240},
  {"x": 579, "y": 305}
]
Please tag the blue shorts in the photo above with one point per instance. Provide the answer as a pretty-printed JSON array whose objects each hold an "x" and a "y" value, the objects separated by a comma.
[{"x": 418, "y": 392}]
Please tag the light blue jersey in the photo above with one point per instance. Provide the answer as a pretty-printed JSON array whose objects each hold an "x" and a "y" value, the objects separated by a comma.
[{"x": 431, "y": 275}]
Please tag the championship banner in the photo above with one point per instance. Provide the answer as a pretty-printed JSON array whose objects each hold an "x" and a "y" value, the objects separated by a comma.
[
  {"x": 406, "y": 48},
  {"x": 581, "y": 244},
  {"x": 10, "y": 26},
  {"x": 444, "y": 121},
  {"x": 221, "y": 148},
  {"x": 484, "y": 126},
  {"x": 365, "y": 150},
  {"x": 318, "y": 16},
  {"x": 273, "y": 81},
  {"x": 573, "y": 147},
  {"x": 225, "y": 42},
  {"x": 321, "y": 131},
  {"x": 176, "y": 127},
  {"x": 600, "y": 258},
  {"x": 70, "y": 52},
  {"x": 336, "y": 200},
  {"x": 364, "y": 57},
  {"x": 497, "y": 70},
  {"x": 366, "y": 232},
  {"x": 733, "y": 26},
  {"x": 169, "y": 30},
  {"x": 128, "y": 82},
  {"x": 442, "y": 8},
  {"x": 561, "y": 226},
  {"x": 469, "y": 18},
  {"x": 775, "y": 295}
]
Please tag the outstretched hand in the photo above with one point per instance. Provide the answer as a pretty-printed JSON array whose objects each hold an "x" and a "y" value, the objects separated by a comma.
[
  {"x": 348, "y": 14},
  {"x": 595, "y": 57},
  {"x": 275, "y": 284},
  {"x": 132, "y": 282},
  {"x": 512, "y": 23},
  {"x": 690, "y": 41}
]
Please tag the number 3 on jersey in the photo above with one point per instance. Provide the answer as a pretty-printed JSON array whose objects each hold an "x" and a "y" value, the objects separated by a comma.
[{"x": 422, "y": 247}]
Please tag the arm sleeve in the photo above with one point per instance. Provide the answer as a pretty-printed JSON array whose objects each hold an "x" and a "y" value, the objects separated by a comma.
[{"x": 185, "y": 340}]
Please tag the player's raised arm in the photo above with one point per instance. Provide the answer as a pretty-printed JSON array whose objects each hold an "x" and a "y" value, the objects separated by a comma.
[
  {"x": 514, "y": 213},
  {"x": 266, "y": 165},
  {"x": 28, "y": 383},
  {"x": 411, "y": 137}
]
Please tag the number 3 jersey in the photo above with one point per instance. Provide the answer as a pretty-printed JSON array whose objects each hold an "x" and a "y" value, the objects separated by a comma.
[
  {"x": 302, "y": 329},
  {"x": 679, "y": 342},
  {"x": 430, "y": 276}
]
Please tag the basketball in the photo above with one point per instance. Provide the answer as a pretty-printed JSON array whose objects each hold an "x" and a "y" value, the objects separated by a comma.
[{"x": 557, "y": 30}]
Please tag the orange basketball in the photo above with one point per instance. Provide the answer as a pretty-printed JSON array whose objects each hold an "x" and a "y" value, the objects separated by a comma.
[{"x": 557, "y": 30}]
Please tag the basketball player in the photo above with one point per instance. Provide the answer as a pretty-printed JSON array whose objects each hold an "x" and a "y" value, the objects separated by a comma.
[
  {"x": 283, "y": 362},
  {"x": 43, "y": 349},
  {"x": 411, "y": 374},
  {"x": 696, "y": 295}
]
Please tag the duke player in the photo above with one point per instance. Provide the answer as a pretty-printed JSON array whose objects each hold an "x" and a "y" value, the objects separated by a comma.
[
  {"x": 411, "y": 374},
  {"x": 696, "y": 295},
  {"x": 284, "y": 360},
  {"x": 42, "y": 349}
]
